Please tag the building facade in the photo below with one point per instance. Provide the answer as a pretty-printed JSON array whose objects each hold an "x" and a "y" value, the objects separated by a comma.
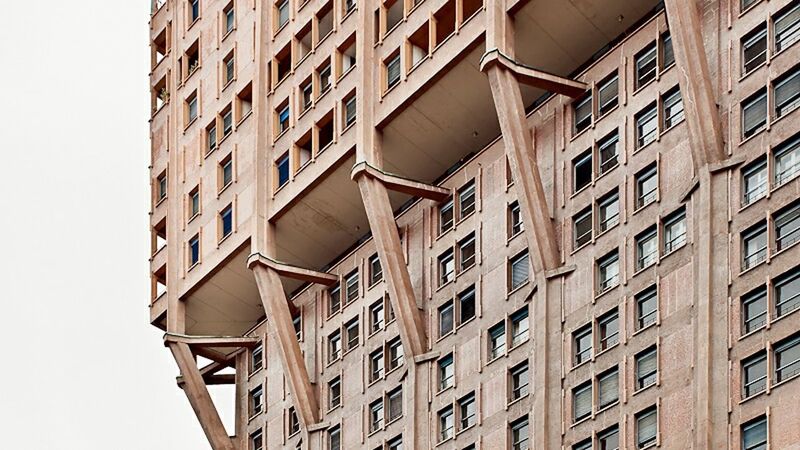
[{"x": 467, "y": 224}]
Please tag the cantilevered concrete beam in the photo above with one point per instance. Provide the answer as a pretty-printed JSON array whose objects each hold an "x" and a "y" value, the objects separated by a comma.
[
  {"x": 532, "y": 77},
  {"x": 212, "y": 341},
  {"x": 293, "y": 272},
  {"x": 279, "y": 319},
  {"x": 700, "y": 108},
  {"x": 400, "y": 184},
  {"x": 387, "y": 241},
  {"x": 196, "y": 391}
]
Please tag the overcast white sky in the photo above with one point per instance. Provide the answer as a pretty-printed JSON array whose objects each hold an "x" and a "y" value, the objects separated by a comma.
[{"x": 81, "y": 368}]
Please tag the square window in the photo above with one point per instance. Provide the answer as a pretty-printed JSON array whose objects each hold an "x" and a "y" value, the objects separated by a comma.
[
  {"x": 754, "y": 310},
  {"x": 229, "y": 62},
  {"x": 466, "y": 200},
  {"x": 446, "y": 372},
  {"x": 646, "y": 248},
  {"x": 324, "y": 75},
  {"x": 518, "y": 271},
  {"x": 194, "y": 10},
  {"x": 334, "y": 438},
  {"x": 754, "y": 434},
  {"x": 230, "y": 17},
  {"x": 754, "y": 49},
  {"x": 211, "y": 137},
  {"x": 787, "y": 359},
  {"x": 787, "y": 26},
  {"x": 608, "y": 272},
  {"x": 257, "y": 440},
  {"x": 191, "y": 108},
  {"x": 754, "y": 113},
  {"x": 645, "y": 65},
  {"x": 754, "y": 374},
  {"x": 582, "y": 343},
  {"x": 754, "y": 246},
  {"x": 647, "y": 125},
  {"x": 582, "y": 225},
  {"x": 396, "y": 443},
  {"x": 226, "y": 172},
  {"x": 586, "y": 444},
  {"x": 283, "y": 12},
  {"x": 582, "y": 171},
  {"x": 609, "y": 439},
  {"x": 646, "y": 186},
  {"x": 306, "y": 94},
  {"x": 497, "y": 340},
  {"x": 646, "y": 368},
  {"x": 787, "y": 227},
  {"x": 161, "y": 182},
  {"x": 294, "y": 421},
  {"x": 787, "y": 293},
  {"x": 646, "y": 307},
  {"x": 754, "y": 181}
]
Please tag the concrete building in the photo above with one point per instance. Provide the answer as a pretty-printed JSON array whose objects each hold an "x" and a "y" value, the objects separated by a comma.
[{"x": 466, "y": 224}]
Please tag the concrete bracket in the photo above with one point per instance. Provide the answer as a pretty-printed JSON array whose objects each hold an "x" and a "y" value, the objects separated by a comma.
[
  {"x": 400, "y": 184},
  {"x": 532, "y": 77},
  {"x": 430, "y": 356},
  {"x": 690, "y": 190},
  {"x": 560, "y": 271},
  {"x": 728, "y": 164},
  {"x": 293, "y": 272}
]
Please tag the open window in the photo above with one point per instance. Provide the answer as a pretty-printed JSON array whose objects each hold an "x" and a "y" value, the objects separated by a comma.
[
  {"x": 470, "y": 8},
  {"x": 323, "y": 75},
  {"x": 159, "y": 236},
  {"x": 419, "y": 43},
  {"x": 306, "y": 94},
  {"x": 303, "y": 43},
  {"x": 244, "y": 102},
  {"x": 191, "y": 59},
  {"x": 228, "y": 68},
  {"x": 282, "y": 118},
  {"x": 283, "y": 64},
  {"x": 394, "y": 13},
  {"x": 324, "y": 18},
  {"x": 160, "y": 95},
  {"x": 347, "y": 55},
  {"x": 303, "y": 151},
  {"x": 160, "y": 46},
  {"x": 445, "y": 22},
  {"x": 325, "y": 132}
]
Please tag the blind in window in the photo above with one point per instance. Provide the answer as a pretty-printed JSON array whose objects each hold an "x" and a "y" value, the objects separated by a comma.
[
  {"x": 519, "y": 271},
  {"x": 607, "y": 94},
  {"x": 395, "y": 405},
  {"x": 787, "y": 90},
  {"x": 583, "y": 401},
  {"x": 755, "y": 434},
  {"x": 394, "y": 71},
  {"x": 608, "y": 388},
  {"x": 788, "y": 22},
  {"x": 755, "y": 113},
  {"x": 646, "y": 364},
  {"x": 647, "y": 426}
]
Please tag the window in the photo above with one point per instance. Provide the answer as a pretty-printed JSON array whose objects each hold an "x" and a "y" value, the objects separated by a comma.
[
  {"x": 647, "y": 125},
  {"x": 257, "y": 359},
  {"x": 294, "y": 421},
  {"x": 334, "y": 346},
  {"x": 518, "y": 271},
  {"x": 282, "y": 166},
  {"x": 194, "y": 202},
  {"x": 349, "y": 5},
  {"x": 754, "y": 434},
  {"x": 754, "y": 182},
  {"x": 349, "y": 110},
  {"x": 608, "y": 94},
  {"x": 446, "y": 319},
  {"x": 754, "y": 245},
  {"x": 646, "y": 186},
  {"x": 466, "y": 252},
  {"x": 673, "y": 108},
  {"x": 787, "y": 27},
  {"x": 497, "y": 340},
  {"x": 297, "y": 323},
  {"x": 787, "y": 161},
  {"x": 645, "y": 65},
  {"x": 608, "y": 326},
  {"x": 582, "y": 401},
  {"x": 754, "y": 374},
  {"x": 787, "y": 92},
  {"x": 191, "y": 108},
  {"x": 674, "y": 230},
  {"x": 754, "y": 310},
  {"x": 519, "y": 434},
  {"x": 334, "y": 393},
  {"x": 256, "y": 400},
  {"x": 608, "y": 211},
  {"x": 586, "y": 444},
  {"x": 334, "y": 299},
  {"x": 395, "y": 401},
  {"x": 161, "y": 182},
  {"x": 192, "y": 56},
  {"x": 230, "y": 17},
  {"x": 446, "y": 372},
  {"x": 395, "y": 353},
  {"x": 519, "y": 327},
  {"x": 646, "y": 307},
  {"x": 396, "y": 443},
  {"x": 608, "y": 388},
  {"x": 466, "y": 200},
  {"x": 466, "y": 411},
  {"x": 226, "y": 221},
  {"x": 754, "y": 49},
  {"x": 582, "y": 224},
  {"x": 447, "y": 267},
  {"x": 334, "y": 438},
  {"x": 582, "y": 113},
  {"x": 646, "y": 249},
  {"x": 746, "y": 4},
  {"x": 283, "y": 12},
  {"x": 376, "y": 365},
  {"x": 392, "y": 71},
  {"x": 283, "y": 119},
  {"x": 787, "y": 293},
  {"x": 582, "y": 343},
  {"x": 445, "y": 216},
  {"x": 376, "y": 415},
  {"x": 230, "y": 64},
  {"x": 667, "y": 54},
  {"x": 211, "y": 137},
  {"x": 582, "y": 171},
  {"x": 646, "y": 427},
  {"x": 376, "y": 317},
  {"x": 609, "y": 439},
  {"x": 519, "y": 381},
  {"x": 306, "y": 95},
  {"x": 225, "y": 172},
  {"x": 787, "y": 227},
  {"x": 194, "y": 250},
  {"x": 514, "y": 219},
  {"x": 227, "y": 121},
  {"x": 646, "y": 368},
  {"x": 257, "y": 440},
  {"x": 787, "y": 359},
  {"x": 351, "y": 333},
  {"x": 754, "y": 113},
  {"x": 466, "y": 305},
  {"x": 351, "y": 284},
  {"x": 608, "y": 271},
  {"x": 446, "y": 423},
  {"x": 608, "y": 153},
  {"x": 194, "y": 10},
  {"x": 375, "y": 270}
]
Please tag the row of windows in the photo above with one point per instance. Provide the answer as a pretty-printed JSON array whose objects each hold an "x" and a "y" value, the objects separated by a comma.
[
  {"x": 323, "y": 17},
  {"x": 783, "y": 95},
  {"x": 771, "y": 301},
  {"x": 782, "y": 166},
  {"x": 783, "y": 363},
  {"x": 770, "y": 236},
  {"x": 783, "y": 32}
]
